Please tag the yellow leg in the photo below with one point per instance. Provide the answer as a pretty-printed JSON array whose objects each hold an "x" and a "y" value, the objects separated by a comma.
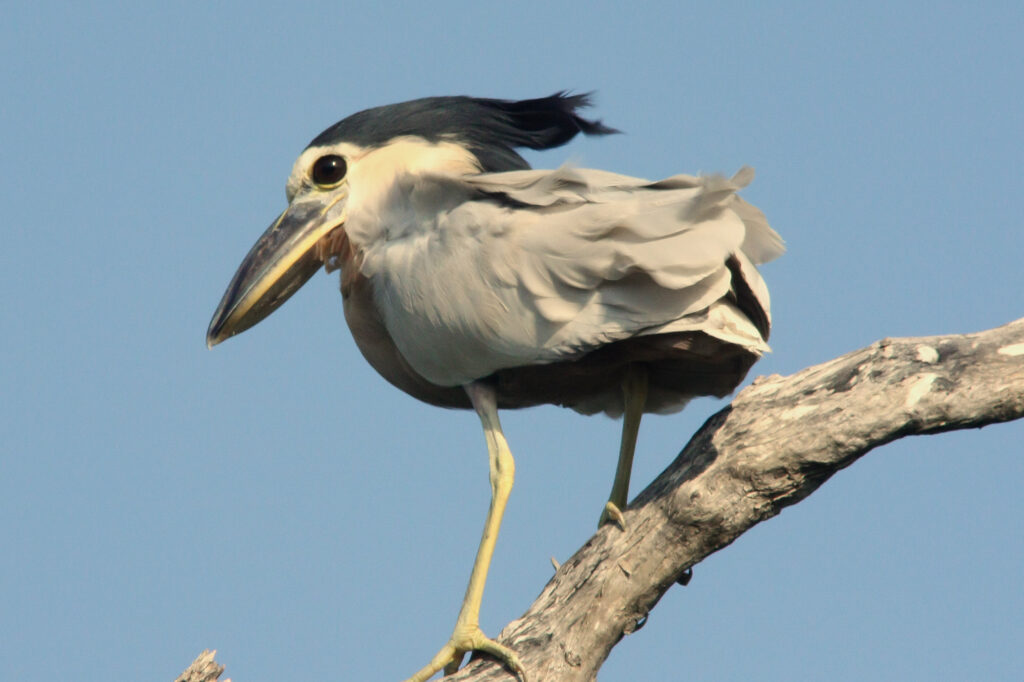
[
  {"x": 634, "y": 393},
  {"x": 467, "y": 635}
]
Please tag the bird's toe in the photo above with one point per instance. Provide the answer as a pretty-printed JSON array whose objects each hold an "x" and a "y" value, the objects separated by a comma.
[
  {"x": 612, "y": 514},
  {"x": 465, "y": 639}
]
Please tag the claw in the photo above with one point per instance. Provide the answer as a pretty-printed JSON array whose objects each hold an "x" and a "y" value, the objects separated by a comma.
[
  {"x": 468, "y": 638},
  {"x": 612, "y": 514},
  {"x": 453, "y": 665}
]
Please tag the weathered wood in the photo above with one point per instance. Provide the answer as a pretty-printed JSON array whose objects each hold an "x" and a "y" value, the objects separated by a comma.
[
  {"x": 203, "y": 669},
  {"x": 779, "y": 440}
]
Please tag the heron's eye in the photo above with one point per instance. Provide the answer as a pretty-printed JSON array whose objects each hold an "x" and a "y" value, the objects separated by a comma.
[{"x": 329, "y": 170}]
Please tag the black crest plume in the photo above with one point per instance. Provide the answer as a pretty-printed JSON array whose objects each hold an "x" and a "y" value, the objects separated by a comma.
[{"x": 491, "y": 128}]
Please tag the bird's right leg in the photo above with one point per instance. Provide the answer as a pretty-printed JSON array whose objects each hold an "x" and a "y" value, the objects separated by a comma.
[
  {"x": 634, "y": 394},
  {"x": 467, "y": 635}
]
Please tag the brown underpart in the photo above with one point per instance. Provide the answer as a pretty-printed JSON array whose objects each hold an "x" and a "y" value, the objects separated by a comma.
[{"x": 680, "y": 365}]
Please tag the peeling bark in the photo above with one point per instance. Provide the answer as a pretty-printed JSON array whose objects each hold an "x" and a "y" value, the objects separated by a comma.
[{"x": 779, "y": 440}]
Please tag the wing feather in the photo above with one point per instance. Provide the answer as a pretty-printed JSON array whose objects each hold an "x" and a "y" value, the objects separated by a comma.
[{"x": 481, "y": 273}]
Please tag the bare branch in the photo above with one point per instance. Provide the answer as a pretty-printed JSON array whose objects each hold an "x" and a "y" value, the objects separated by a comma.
[
  {"x": 203, "y": 669},
  {"x": 778, "y": 441}
]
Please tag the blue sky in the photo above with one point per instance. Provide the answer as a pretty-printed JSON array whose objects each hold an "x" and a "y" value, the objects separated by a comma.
[{"x": 277, "y": 500}]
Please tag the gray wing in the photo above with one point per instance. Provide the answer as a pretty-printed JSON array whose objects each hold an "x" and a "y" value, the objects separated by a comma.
[{"x": 488, "y": 272}]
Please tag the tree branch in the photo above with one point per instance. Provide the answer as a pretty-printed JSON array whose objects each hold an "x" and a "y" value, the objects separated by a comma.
[
  {"x": 203, "y": 669},
  {"x": 779, "y": 440}
]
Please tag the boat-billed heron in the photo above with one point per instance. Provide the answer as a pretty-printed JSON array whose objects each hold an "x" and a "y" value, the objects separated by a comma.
[{"x": 471, "y": 281}]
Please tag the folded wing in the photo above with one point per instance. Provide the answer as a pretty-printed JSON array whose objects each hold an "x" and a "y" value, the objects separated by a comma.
[{"x": 545, "y": 267}]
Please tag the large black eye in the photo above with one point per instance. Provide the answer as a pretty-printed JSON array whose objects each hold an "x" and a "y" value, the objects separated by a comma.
[{"x": 329, "y": 170}]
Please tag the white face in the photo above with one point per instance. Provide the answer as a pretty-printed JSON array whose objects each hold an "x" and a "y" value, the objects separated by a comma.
[{"x": 371, "y": 171}]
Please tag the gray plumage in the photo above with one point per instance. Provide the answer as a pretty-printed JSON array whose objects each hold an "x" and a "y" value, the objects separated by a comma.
[{"x": 483, "y": 273}]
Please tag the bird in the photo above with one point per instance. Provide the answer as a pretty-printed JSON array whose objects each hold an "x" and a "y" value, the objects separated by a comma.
[{"x": 472, "y": 281}]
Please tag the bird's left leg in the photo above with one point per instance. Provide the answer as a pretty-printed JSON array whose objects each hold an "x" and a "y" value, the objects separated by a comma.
[
  {"x": 467, "y": 635},
  {"x": 634, "y": 394}
]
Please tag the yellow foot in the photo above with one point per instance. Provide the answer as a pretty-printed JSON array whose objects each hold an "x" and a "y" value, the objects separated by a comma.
[
  {"x": 468, "y": 638},
  {"x": 612, "y": 514}
]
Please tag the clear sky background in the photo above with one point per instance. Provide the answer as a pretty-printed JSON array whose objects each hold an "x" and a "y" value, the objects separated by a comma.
[{"x": 277, "y": 500}]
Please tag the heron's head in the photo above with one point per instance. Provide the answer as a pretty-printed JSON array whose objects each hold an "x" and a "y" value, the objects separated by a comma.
[{"x": 354, "y": 163}]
